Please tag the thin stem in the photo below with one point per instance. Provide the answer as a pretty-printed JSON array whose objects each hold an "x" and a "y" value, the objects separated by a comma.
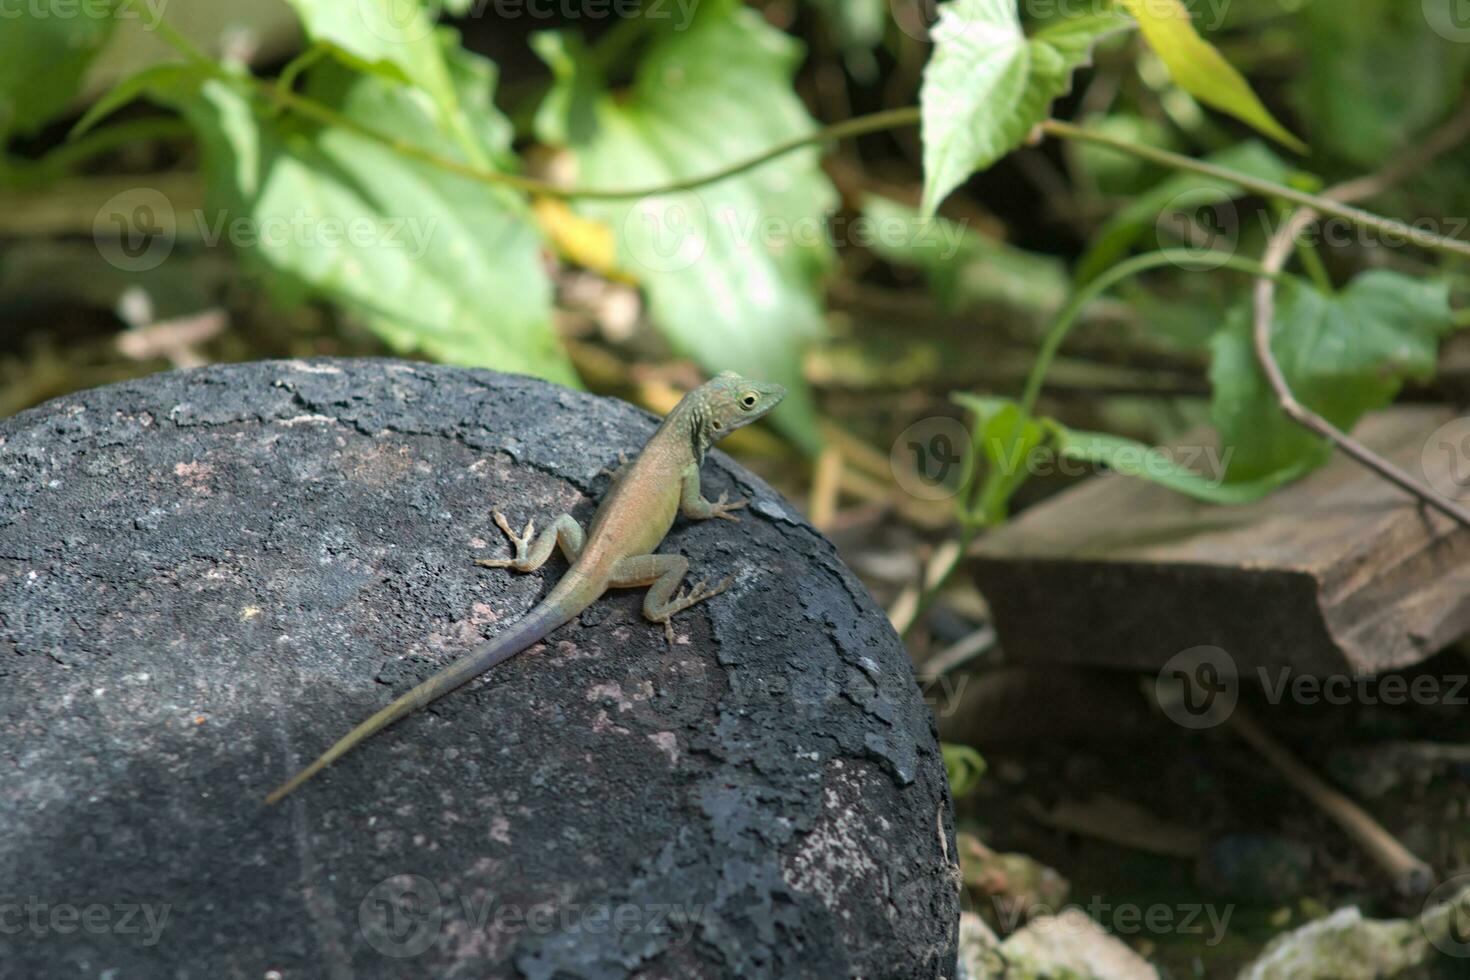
[
  {"x": 1266, "y": 188},
  {"x": 1278, "y": 251},
  {"x": 1181, "y": 258}
]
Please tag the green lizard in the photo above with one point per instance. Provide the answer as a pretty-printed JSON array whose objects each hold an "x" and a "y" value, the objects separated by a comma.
[{"x": 615, "y": 553}]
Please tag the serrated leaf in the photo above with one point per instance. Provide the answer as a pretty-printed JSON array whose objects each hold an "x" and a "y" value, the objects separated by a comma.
[
  {"x": 1342, "y": 355},
  {"x": 1200, "y": 69},
  {"x": 732, "y": 269},
  {"x": 429, "y": 260},
  {"x": 965, "y": 269},
  {"x": 45, "y": 57},
  {"x": 986, "y": 85}
]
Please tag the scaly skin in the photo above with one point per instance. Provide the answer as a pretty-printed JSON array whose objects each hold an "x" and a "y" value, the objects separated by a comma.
[{"x": 617, "y": 551}]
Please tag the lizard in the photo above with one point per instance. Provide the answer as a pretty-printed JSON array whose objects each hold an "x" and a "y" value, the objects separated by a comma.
[{"x": 617, "y": 550}]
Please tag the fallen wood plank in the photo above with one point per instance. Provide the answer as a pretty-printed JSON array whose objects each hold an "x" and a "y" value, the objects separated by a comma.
[{"x": 1338, "y": 573}]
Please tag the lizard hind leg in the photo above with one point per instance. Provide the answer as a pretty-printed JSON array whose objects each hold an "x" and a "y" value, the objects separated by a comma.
[
  {"x": 663, "y": 575},
  {"x": 532, "y": 551}
]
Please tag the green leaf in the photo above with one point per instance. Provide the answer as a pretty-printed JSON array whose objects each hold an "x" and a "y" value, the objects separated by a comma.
[
  {"x": 1006, "y": 440},
  {"x": 568, "y": 114},
  {"x": 1184, "y": 192},
  {"x": 395, "y": 39},
  {"x": 1375, "y": 75},
  {"x": 965, "y": 269},
  {"x": 1200, "y": 69},
  {"x": 1164, "y": 467},
  {"x": 964, "y": 767},
  {"x": 431, "y": 261},
  {"x": 731, "y": 270},
  {"x": 45, "y": 57},
  {"x": 177, "y": 77},
  {"x": 986, "y": 85},
  {"x": 1342, "y": 356}
]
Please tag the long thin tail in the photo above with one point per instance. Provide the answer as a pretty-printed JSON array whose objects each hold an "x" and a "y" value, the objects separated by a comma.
[{"x": 534, "y": 626}]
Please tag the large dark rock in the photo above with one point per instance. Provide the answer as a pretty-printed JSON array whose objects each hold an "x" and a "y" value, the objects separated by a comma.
[{"x": 207, "y": 577}]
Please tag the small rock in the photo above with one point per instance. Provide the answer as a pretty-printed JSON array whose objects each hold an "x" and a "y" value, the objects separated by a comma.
[
  {"x": 1346, "y": 946},
  {"x": 1070, "y": 945}
]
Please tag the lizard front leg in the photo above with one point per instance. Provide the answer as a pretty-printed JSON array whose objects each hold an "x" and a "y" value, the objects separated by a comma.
[
  {"x": 532, "y": 552},
  {"x": 662, "y": 574},
  {"x": 693, "y": 505}
]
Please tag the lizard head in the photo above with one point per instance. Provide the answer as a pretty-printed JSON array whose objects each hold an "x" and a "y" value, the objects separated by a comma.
[{"x": 728, "y": 402}]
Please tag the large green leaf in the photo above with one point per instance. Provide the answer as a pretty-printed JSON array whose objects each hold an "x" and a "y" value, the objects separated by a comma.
[
  {"x": 431, "y": 261},
  {"x": 396, "y": 39},
  {"x": 987, "y": 85},
  {"x": 1200, "y": 69},
  {"x": 965, "y": 269},
  {"x": 45, "y": 55},
  {"x": 1342, "y": 355},
  {"x": 732, "y": 269}
]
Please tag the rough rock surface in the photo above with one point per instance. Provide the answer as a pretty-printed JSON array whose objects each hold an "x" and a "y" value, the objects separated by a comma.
[{"x": 206, "y": 577}]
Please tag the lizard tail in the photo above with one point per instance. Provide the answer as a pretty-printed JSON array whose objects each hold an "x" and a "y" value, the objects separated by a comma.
[{"x": 536, "y": 624}]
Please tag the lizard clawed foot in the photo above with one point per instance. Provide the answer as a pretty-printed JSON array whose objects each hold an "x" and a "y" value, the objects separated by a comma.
[
  {"x": 521, "y": 541},
  {"x": 721, "y": 508},
  {"x": 688, "y": 597}
]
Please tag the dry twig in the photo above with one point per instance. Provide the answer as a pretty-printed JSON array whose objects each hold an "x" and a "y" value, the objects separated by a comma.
[{"x": 1279, "y": 250}]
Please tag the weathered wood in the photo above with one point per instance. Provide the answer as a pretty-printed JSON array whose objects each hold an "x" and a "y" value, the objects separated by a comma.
[{"x": 1340, "y": 572}]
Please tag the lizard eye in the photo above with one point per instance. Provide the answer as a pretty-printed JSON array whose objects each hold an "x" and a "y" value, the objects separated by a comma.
[{"x": 748, "y": 401}]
